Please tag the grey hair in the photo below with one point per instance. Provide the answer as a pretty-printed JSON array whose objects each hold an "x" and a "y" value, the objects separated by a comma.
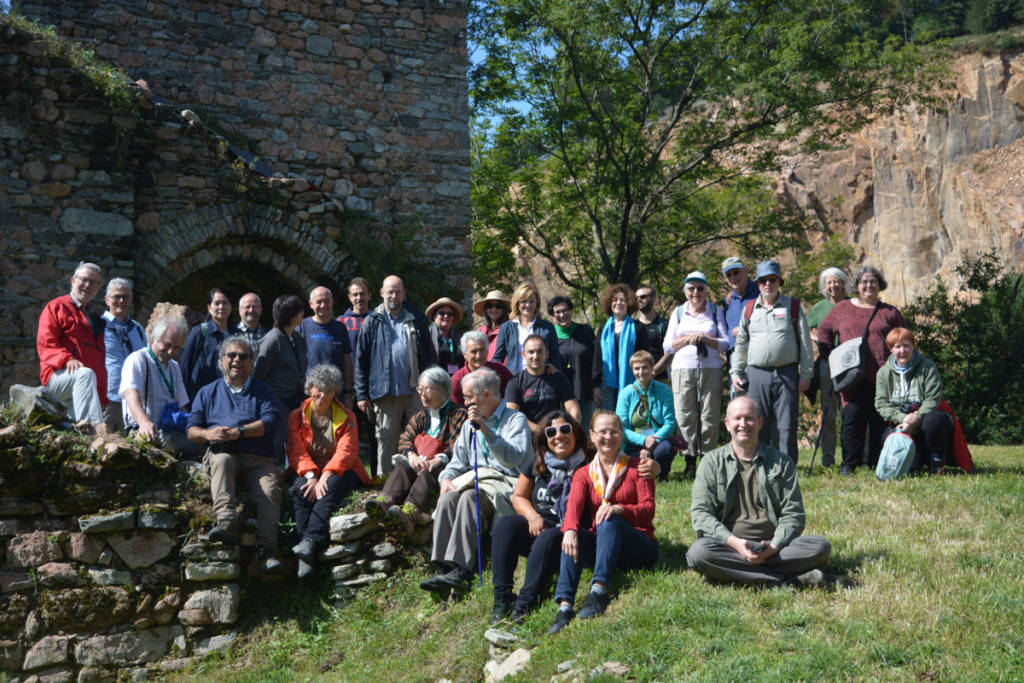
[
  {"x": 236, "y": 340},
  {"x": 480, "y": 381},
  {"x": 865, "y": 270},
  {"x": 326, "y": 377},
  {"x": 472, "y": 336},
  {"x": 832, "y": 272},
  {"x": 118, "y": 283},
  {"x": 437, "y": 378},
  {"x": 88, "y": 266},
  {"x": 174, "y": 323}
]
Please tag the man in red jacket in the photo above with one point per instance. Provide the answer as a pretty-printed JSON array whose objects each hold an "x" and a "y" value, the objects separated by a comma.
[{"x": 72, "y": 356}]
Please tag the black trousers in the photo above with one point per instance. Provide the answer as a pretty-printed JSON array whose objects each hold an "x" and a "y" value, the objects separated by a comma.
[
  {"x": 420, "y": 489},
  {"x": 510, "y": 540},
  {"x": 933, "y": 442},
  {"x": 313, "y": 518},
  {"x": 859, "y": 416}
]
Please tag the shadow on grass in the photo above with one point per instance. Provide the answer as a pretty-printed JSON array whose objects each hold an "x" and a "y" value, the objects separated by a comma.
[
  {"x": 843, "y": 567},
  {"x": 287, "y": 598}
]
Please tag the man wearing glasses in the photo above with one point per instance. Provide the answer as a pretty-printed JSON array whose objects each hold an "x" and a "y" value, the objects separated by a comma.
[
  {"x": 650, "y": 331},
  {"x": 743, "y": 290},
  {"x": 235, "y": 417},
  {"x": 772, "y": 361},
  {"x": 122, "y": 336},
  {"x": 72, "y": 355}
]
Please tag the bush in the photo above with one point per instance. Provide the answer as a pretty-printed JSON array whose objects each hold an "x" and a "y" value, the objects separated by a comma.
[{"x": 976, "y": 337}]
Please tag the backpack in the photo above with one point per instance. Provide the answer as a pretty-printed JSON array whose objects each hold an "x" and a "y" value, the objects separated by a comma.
[
  {"x": 712, "y": 311},
  {"x": 897, "y": 457},
  {"x": 794, "y": 317}
]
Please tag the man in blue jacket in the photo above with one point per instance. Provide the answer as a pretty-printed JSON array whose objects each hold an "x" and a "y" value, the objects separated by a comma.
[
  {"x": 393, "y": 347},
  {"x": 235, "y": 417}
]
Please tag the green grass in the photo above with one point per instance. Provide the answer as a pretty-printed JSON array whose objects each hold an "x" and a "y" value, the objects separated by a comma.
[{"x": 928, "y": 588}]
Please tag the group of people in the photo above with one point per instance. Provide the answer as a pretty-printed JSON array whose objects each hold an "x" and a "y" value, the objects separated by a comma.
[{"x": 547, "y": 437}]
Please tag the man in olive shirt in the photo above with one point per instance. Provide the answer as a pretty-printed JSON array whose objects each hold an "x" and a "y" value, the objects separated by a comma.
[
  {"x": 752, "y": 534},
  {"x": 772, "y": 361}
]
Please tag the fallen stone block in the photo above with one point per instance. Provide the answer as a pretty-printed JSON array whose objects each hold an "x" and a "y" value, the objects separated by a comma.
[{"x": 510, "y": 666}]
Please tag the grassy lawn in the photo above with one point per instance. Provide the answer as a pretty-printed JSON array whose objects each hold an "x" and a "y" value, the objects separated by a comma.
[{"x": 928, "y": 587}]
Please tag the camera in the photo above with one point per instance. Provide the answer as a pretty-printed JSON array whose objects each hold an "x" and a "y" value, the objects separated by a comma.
[
  {"x": 909, "y": 407},
  {"x": 702, "y": 349}
]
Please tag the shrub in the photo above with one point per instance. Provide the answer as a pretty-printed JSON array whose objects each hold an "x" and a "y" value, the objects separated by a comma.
[{"x": 975, "y": 334}]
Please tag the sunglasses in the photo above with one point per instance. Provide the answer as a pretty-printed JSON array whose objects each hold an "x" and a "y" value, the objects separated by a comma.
[
  {"x": 240, "y": 356},
  {"x": 768, "y": 281},
  {"x": 560, "y": 429},
  {"x": 445, "y": 313},
  {"x": 494, "y": 305}
]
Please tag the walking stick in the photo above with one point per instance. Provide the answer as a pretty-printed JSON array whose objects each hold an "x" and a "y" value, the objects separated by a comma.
[
  {"x": 476, "y": 498},
  {"x": 827, "y": 401}
]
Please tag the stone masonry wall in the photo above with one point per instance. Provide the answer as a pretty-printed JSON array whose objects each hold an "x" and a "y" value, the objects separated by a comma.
[{"x": 356, "y": 148}]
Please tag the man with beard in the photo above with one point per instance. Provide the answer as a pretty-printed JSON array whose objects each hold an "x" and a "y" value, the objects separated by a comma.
[{"x": 650, "y": 331}]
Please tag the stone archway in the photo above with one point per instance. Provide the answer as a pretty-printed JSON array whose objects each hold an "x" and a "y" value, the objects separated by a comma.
[{"x": 240, "y": 246}]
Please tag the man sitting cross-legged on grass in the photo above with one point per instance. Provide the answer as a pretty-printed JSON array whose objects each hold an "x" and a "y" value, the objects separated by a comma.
[{"x": 748, "y": 512}]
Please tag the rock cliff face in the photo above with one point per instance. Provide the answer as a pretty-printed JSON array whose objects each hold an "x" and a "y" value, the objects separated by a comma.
[{"x": 916, "y": 190}]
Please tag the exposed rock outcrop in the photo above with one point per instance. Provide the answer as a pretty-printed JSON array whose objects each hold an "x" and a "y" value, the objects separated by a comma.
[{"x": 917, "y": 189}]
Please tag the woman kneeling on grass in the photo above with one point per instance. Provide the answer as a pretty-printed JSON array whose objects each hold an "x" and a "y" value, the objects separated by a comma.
[
  {"x": 540, "y": 499},
  {"x": 613, "y": 493}
]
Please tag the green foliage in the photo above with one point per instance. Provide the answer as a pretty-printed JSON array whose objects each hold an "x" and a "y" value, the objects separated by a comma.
[
  {"x": 983, "y": 16},
  {"x": 974, "y": 331},
  {"x": 626, "y": 147}
]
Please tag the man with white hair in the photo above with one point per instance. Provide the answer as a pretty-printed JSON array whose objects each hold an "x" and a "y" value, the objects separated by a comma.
[
  {"x": 153, "y": 390},
  {"x": 250, "y": 308},
  {"x": 72, "y": 355},
  {"x": 495, "y": 444},
  {"x": 121, "y": 336},
  {"x": 474, "y": 346}
]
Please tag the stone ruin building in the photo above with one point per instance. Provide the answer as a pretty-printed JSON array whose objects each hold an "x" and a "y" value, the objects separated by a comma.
[{"x": 274, "y": 146}]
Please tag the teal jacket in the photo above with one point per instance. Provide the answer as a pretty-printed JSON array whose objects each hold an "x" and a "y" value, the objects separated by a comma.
[
  {"x": 660, "y": 411},
  {"x": 716, "y": 493},
  {"x": 920, "y": 384}
]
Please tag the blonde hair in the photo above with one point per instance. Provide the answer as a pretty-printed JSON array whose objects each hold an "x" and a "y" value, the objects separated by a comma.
[{"x": 523, "y": 291}]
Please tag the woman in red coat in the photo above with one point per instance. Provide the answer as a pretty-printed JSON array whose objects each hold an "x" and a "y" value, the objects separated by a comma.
[
  {"x": 323, "y": 449},
  {"x": 620, "y": 502}
]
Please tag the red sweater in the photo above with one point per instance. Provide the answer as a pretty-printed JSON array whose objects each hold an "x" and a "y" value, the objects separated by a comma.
[
  {"x": 847, "y": 321},
  {"x": 65, "y": 333},
  {"x": 634, "y": 494}
]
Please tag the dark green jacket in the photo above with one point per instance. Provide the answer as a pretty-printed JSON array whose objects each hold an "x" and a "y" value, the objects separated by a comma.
[
  {"x": 920, "y": 384},
  {"x": 716, "y": 493}
]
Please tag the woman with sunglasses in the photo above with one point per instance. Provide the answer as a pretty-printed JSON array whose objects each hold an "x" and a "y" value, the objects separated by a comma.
[
  {"x": 493, "y": 309},
  {"x": 539, "y": 499},
  {"x": 615, "y": 495},
  {"x": 696, "y": 332}
]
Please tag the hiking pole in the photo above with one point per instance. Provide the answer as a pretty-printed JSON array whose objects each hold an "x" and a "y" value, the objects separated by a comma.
[
  {"x": 702, "y": 351},
  {"x": 476, "y": 499},
  {"x": 824, "y": 416}
]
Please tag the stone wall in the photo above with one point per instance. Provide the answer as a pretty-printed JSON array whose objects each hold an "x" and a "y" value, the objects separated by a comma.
[
  {"x": 274, "y": 149},
  {"x": 105, "y": 567}
]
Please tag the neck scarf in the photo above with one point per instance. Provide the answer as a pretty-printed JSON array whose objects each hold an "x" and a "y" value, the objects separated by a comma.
[
  {"x": 617, "y": 373},
  {"x": 903, "y": 370},
  {"x": 561, "y": 472},
  {"x": 565, "y": 332},
  {"x": 606, "y": 489}
]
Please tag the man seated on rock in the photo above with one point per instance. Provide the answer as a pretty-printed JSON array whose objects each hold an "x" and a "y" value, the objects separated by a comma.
[
  {"x": 153, "y": 390},
  {"x": 748, "y": 512},
  {"x": 498, "y": 440},
  {"x": 236, "y": 416},
  {"x": 537, "y": 392},
  {"x": 121, "y": 336},
  {"x": 474, "y": 349},
  {"x": 72, "y": 355}
]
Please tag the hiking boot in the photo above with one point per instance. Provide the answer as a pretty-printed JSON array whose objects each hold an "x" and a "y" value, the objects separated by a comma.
[
  {"x": 456, "y": 578},
  {"x": 502, "y": 607},
  {"x": 814, "y": 578},
  {"x": 304, "y": 549},
  {"x": 594, "y": 605},
  {"x": 846, "y": 471},
  {"x": 562, "y": 620},
  {"x": 399, "y": 522},
  {"x": 268, "y": 563},
  {"x": 518, "y": 614},
  {"x": 220, "y": 534},
  {"x": 305, "y": 569},
  {"x": 377, "y": 507}
]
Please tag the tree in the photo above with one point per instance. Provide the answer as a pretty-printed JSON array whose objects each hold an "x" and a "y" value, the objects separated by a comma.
[{"x": 616, "y": 140}]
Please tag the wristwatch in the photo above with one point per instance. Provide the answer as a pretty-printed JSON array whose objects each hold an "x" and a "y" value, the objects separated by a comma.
[
  {"x": 241, "y": 431},
  {"x": 310, "y": 475}
]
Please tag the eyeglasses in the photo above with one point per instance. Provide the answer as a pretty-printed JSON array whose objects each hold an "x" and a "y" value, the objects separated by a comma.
[
  {"x": 240, "y": 356},
  {"x": 564, "y": 429},
  {"x": 695, "y": 288},
  {"x": 869, "y": 282},
  {"x": 120, "y": 297},
  {"x": 92, "y": 282}
]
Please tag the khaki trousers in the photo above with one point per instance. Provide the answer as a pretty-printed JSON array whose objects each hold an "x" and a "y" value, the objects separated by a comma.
[
  {"x": 262, "y": 480},
  {"x": 684, "y": 391}
]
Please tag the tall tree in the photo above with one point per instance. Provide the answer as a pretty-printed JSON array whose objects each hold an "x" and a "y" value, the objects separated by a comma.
[{"x": 613, "y": 139}]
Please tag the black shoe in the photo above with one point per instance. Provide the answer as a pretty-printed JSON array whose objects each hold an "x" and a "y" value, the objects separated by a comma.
[
  {"x": 562, "y": 620},
  {"x": 594, "y": 605},
  {"x": 434, "y": 584},
  {"x": 219, "y": 534},
  {"x": 268, "y": 563},
  {"x": 457, "y": 578},
  {"x": 845, "y": 471},
  {"x": 376, "y": 507},
  {"x": 690, "y": 472},
  {"x": 502, "y": 607},
  {"x": 518, "y": 614}
]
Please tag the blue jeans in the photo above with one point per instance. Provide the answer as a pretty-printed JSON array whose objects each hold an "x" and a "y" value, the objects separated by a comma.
[
  {"x": 664, "y": 453},
  {"x": 616, "y": 544}
]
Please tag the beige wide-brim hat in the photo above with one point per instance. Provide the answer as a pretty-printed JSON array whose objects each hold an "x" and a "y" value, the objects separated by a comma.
[
  {"x": 493, "y": 295},
  {"x": 445, "y": 301}
]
